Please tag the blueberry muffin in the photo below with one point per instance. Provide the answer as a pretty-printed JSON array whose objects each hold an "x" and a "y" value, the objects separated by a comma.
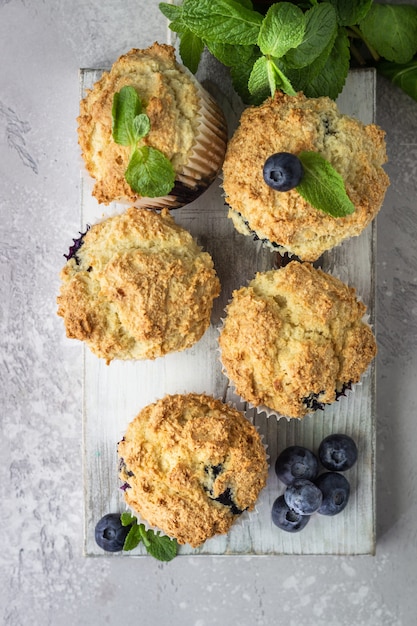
[
  {"x": 137, "y": 286},
  {"x": 294, "y": 339},
  {"x": 283, "y": 219},
  {"x": 186, "y": 125},
  {"x": 190, "y": 465}
]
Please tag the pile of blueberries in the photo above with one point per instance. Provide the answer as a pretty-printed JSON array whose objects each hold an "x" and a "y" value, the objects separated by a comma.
[{"x": 307, "y": 491}]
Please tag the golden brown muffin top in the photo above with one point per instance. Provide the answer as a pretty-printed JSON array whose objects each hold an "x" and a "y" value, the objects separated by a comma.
[
  {"x": 294, "y": 124},
  {"x": 294, "y": 338},
  {"x": 171, "y": 101},
  {"x": 138, "y": 287},
  {"x": 193, "y": 464}
]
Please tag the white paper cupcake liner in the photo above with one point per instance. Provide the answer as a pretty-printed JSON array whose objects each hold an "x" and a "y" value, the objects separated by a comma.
[
  {"x": 272, "y": 413},
  {"x": 246, "y": 517},
  {"x": 205, "y": 160}
]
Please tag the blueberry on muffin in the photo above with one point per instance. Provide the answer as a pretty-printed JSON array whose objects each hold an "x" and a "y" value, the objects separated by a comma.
[
  {"x": 190, "y": 465},
  {"x": 137, "y": 286},
  {"x": 292, "y": 125},
  {"x": 294, "y": 340},
  {"x": 183, "y": 123}
]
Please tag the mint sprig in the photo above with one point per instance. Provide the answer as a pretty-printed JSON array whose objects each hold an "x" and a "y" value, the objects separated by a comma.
[
  {"x": 322, "y": 186},
  {"x": 159, "y": 546},
  {"x": 149, "y": 172},
  {"x": 307, "y": 46}
]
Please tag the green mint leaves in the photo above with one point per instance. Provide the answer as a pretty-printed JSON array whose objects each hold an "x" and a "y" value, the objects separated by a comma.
[
  {"x": 159, "y": 546},
  {"x": 283, "y": 28},
  {"x": 323, "y": 187},
  {"x": 149, "y": 172},
  {"x": 306, "y": 46},
  {"x": 391, "y": 31}
]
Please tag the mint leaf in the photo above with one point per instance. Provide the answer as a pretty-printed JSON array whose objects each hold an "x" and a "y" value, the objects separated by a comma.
[
  {"x": 266, "y": 77},
  {"x": 126, "y": 106},
  {"x": 323, "y": 187},
  {"x": 160, "y": 546},
  {"x": 302, "y": 78},
  {"x": 191, "y": 49},
  {"x": 240, "y": 78},
  {"x": 127, "y": 519},
  {"x": 222, "y": 21},
  {"x": 392, "y": 31},
  {"x": 141, "y": 126},
  {"x": 150, "y": 173},
  {"x": 282, "y": 29},
  {"x": 232, "y": 55},
  {"x": 350, "y": 12},
  {"x": 178, "y": 26},
  {"x": 245, "y": 3},
  {"x": 320, "y": 31},
  {"x": 330, "y": 80},
  {"x": 282, "y": 81},
  {"x": 171, "y": 11},
  {"x": 261, "y": 82},
  {"x": 133, "y": 538},
  {"x": 403, "y": 75}
]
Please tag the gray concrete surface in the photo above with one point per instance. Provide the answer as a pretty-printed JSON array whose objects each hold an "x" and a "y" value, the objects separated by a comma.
[{"x": 44, "y": 579}]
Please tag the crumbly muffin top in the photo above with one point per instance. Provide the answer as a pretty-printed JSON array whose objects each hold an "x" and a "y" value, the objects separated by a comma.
[
  {"x": 138, "y": 287},
  {"x": 170, "y": 99},
  {"x": 191, "y": 465},
  {"x": 294, "y": 124},
  {"x": 294, "y": 338}
]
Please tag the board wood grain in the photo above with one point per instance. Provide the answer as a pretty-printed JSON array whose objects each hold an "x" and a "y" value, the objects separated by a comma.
[{"x": 114, "y": 394}]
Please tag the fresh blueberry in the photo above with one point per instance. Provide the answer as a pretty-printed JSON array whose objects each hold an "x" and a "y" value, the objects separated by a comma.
[
  {"x": 296, "y": 462},
  {"x": 110, "y": 534},
  {"x": 338, "y": 452},
  {"x": 283, "y": 171},
  {"x": 303, "y": 496},
  {"x": 287, "y": 519},
  {"x": 336, "y": 490}
]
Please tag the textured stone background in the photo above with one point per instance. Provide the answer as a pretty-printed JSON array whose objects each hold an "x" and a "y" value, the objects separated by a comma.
[{"x": 44, "y": 579}]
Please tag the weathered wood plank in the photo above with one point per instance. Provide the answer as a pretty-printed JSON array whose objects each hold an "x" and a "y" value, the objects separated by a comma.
[{"x": 113, "y": 395}]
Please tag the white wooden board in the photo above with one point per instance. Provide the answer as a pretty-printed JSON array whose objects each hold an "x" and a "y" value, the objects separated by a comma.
[{"x": 114, "y": 394}]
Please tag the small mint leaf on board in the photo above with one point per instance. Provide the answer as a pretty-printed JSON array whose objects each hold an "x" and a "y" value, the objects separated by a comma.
[
  {"x": 321, "y": 30},
  {"x": 127, "y": 519},
  {"x": 404, "y": 75},
  {"x": 392, "y": 31},
  {"x": 133, "y": 538},
  {"x": 161, "y": 547},
  {"x": 322, "y": 186},
  {"x": 350, "y": 12},
  {"x": 222, "y": 21},
  {"x": 150, "y": 173},
  {"x": 282, "y": 29},
  {"x": 126, "y": 106}
]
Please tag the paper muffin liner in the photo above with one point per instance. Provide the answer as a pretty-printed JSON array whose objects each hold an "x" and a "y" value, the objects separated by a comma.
[
  {"x": 205, "y": 160},
  {"x": 349, "y": 388},
  {"x": 241, "y": 521}
]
